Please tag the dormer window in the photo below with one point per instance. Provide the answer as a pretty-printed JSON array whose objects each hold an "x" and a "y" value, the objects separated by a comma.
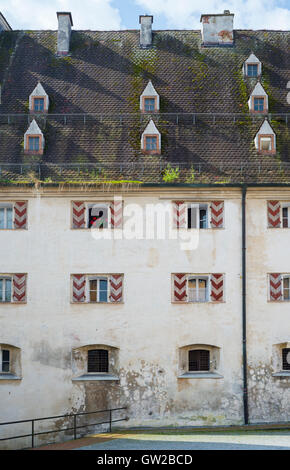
[
  {"x": 149, "y": 100},
  {"x": 151, "y": 139},
  {"x": 265, "y": 140},
  {"x": 38, "y": 100},
  {"x": 266, "y": 143},
  {"x": 258, "y": 102},
  {"x": 33, "y": 139},
  {"x": 252, "y": 67}
]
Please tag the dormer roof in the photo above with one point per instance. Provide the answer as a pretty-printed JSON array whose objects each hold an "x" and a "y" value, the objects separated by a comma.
[
  {"x": 39, "y": 91},
  {"x": 252, "y": 59},
  {"x": 33, "y": 129},
  {"x": 150, "y": 91},
  {"x": 258, "y": 90},
  {"x": 151, "y": 128},
  {"x": 265, "y": 129}
]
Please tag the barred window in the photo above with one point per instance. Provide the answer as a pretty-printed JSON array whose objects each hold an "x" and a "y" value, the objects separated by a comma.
[
  {"x": 198, "y": 360},
  {"x": 98, "y": 360},
  {"x": 286, "y": 358},
  {"x": 5, "y": 360}
]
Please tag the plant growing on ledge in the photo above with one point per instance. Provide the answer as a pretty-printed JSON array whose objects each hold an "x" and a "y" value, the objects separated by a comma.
[{"x": 170, "y": 174}]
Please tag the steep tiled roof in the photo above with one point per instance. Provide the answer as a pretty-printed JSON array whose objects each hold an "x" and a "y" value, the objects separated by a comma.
[{"x": 105, "y": 74}]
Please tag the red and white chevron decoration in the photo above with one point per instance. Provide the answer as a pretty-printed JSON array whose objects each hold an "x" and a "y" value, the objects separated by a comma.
[
  {"x": 217, "y": 214},
  {"x": 274, "y": 220},
  {"x": 275, "y": 286},
  {"x": 78, "y": 216},
  {"x": 179, "y": 214},
  {"x": 116, "y": 288},
  {"x": 20, "y": 214},
  {"x": 217, "y": 287},
  {"x": 116, "y": 213},
  {"x": 19, "y": 287},
  {"x": 180, "y": 281},
  {"x": 79, "y": 285}
]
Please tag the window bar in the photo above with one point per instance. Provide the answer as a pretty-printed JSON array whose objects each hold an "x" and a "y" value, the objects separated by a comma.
[
  {"x": 32, "y": 433},
  {"x": 75, "y": 427}
]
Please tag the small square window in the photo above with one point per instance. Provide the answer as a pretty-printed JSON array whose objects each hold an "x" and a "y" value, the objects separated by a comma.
[
  {"x": 198, "y": 360},
  {"x": 258, "y": 104},
  {"x": 6, "y": 216},
  {"x": 5, "y": 289},
  {"x": 149, "y": 104},
  {"x": 197, "y": 289},
  {"x": 38, "y": 104},
  {"x": 33, "y": 143},
  {"x": 252, "y": 70},
  {"x": 98, "y": 360},
  {"x": 266, "y": 144},
  {"x": 286, "y": 359},
  {"x": 197, "y": 216},
  {"x": 151, "y": 143}
]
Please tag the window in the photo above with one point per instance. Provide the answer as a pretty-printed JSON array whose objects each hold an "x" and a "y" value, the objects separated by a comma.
[
  {"x": 259, "y": 104},
  {"x": 98, "y": 216},
  {"x": 38, "y": 104},
  {"x": 198, "y": 360},
  {"x": 98, "y": 290},
  {"x": 265, "y": 144},
  {"x": 149, "y": 104},
  {"x": 197, "y": 216},
  {"x": 6, "y": 216},
  {"x": 286, "y": 217},
  {"x": 5, "y": 289},
  {"x": 286, "y": 359},
  {"x": 150, "y": 143},
  {"x": 286, "y": 287},
  {"x": 98, "y": 360},
  {"x": 33, "y": 143},
  {"x": 252, "y": 70},
  {"x": 197, "y": 289},
  {"x": 4, "y": 360}
]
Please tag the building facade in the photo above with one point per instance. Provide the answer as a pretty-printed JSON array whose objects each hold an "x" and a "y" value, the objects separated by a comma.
[{"x": 144, "y": 215}]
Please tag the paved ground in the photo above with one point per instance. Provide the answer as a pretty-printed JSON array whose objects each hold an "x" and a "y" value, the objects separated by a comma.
[{"x": 184, "y": 440}]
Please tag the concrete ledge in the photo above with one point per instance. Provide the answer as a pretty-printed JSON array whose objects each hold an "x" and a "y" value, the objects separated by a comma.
[
  {"x": 9, "y": 377},
  {"x": 282, "y": 374},
  {"x": 200, "y": 375},
  {"x": 93, "y": 377}
]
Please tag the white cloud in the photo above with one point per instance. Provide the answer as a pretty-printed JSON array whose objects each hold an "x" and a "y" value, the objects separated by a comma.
[
  {"x": 41, "y": 14},
  {"x": 249, "y": 14}
]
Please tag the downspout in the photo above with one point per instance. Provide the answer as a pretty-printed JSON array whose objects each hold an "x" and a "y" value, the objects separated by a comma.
[{"x": 244, "y": 306}]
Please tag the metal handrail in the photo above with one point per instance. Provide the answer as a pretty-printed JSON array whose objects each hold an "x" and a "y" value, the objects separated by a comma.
[{"x": 74, "y": 428}]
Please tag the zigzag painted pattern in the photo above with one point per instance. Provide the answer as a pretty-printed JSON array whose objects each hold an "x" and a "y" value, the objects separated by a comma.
[
  {"x": 20, "y": 214},
  {"x": 116, "y": 214},
  {"x": 78, "y": 214},
  {"x": 79, "y": 284},
  {"x": 275, "y": 286},
  {"x": 180, "y": 287},
  {"x": 217, "y": 214},
  {"x": 116, "y": 283},
  {"x": 274, "y": 214},
  {"x": 179, "y": 214},
  {"x": 19, "y": 287},
  {"x": 217, "y": 287}
]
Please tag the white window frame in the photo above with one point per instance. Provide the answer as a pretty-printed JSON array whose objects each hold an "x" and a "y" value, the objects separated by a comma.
[
  {"x": 285, "y": 206},
  {"x": 198, "y": 206},
  {"x": 1, "y": 360},
  {"x": 98, "y": 279},
  {"x": 198, "y": 277},
  {"x": 285, "y": 276},
  {"x": 100, "y": 205},
  {"x": 6, "y": 206},
  {"x": 4, "y": 279}
]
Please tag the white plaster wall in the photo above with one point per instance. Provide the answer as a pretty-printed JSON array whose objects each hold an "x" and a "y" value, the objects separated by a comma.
[{"x": 147, "y": 328}]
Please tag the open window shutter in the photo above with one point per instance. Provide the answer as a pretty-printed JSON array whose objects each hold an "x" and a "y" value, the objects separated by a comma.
[
  {"x": 78, "y": 216},
  {"x": 20, "y": 214},
  {"x": 79, "y": 287},
  {"x": 116, "y": 207},
  {"x": 19, "y": 287},
  {"x": 217, "y": 214},
  {"x": 274, "y": 219},
  {"x": 180, "y": 287},
  {"x": 217, "y": 287},
  {"x": 275, "y": 286},
  {"x": 116, "y": 288},
  {"x": 179, "y": 214}
]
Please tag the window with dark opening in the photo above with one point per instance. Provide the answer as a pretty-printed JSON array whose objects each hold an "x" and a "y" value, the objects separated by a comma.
[
  {"x": 38, "y": 104},
  {"x": 252, "y": 70},
  {"x": 198, "y": 360},
  {"x": 286, "y": 358},
  {"x": 33, "y": 143},
  {"x": 98, "y": 360},
  {"x": 197, "y": 216},
  {"x": 285, "y": 217},
  {"x": 5, "y": 360}
]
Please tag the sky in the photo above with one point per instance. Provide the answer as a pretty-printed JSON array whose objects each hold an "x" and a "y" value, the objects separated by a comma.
[{"x": 124, "y": 14}]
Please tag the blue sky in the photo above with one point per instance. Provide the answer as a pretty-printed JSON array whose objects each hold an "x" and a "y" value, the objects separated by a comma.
[{"x": 168, "y": 14}]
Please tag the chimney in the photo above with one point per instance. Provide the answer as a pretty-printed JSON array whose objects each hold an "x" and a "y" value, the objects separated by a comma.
[
  {"x": 64, "y": 31},
  {"x": 146, "y": 30},
  {"x": 217, "y": 29}
]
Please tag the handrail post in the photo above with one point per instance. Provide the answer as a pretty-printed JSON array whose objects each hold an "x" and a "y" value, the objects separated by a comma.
[
  {"x": 32, "y": 433},
  {"x": 110, "y": 429},
  {"x": 75, "y": 427}
]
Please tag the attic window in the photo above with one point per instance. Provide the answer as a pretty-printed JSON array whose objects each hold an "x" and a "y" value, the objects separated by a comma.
[
  {"x": 33, "y": 139},
  {"x": 38, "y": 100},
  {"x": 149, "y": 104},
  {"x": 149, "y": 100},
  {"x": 150, "y": 143},
  {"x": 33, "y": 143},
  {"x": 266, "y": 143},
  {"x": 151, "y": 139},
  {"x": 38, "y": 104},
  {"x": 265, "y": 139},
  {"x": 252, "y": 70}
]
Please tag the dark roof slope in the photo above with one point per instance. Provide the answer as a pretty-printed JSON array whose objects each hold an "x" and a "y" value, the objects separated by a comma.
[{"x": 105, "y": 74}]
